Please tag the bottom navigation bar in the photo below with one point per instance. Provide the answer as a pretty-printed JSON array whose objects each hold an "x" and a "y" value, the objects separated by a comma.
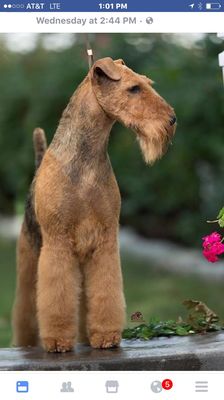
[{"x": 110, "y": 385}]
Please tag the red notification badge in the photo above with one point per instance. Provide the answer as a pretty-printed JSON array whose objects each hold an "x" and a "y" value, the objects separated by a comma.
[{"x": 167, "y": 384}]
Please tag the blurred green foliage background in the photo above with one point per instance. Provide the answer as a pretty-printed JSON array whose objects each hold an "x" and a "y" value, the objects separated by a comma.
[{"x": 172, "y": 199}]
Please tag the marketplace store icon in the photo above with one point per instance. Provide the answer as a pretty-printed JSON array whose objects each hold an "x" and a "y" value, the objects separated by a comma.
[{"x": 112, "y": 386}]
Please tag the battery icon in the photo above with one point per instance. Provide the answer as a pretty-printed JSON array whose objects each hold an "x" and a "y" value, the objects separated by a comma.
[{"x": 213, "y": 6}]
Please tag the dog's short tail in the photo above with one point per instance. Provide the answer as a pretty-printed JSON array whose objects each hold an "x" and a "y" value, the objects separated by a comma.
[{"x": 40, "y": 145}]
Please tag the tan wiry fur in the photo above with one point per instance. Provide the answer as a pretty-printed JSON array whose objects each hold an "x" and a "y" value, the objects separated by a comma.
[{"x": 76, "y": 204}]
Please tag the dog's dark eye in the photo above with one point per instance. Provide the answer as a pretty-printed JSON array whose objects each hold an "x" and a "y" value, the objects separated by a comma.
[{"x": 134, "y": 89}]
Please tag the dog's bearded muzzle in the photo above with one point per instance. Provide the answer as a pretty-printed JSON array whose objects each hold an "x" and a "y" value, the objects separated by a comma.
[{"x": 155, "y": 140}]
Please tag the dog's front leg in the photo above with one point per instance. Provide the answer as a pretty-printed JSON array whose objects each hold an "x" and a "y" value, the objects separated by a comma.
[
  {"x": 104, "y": 293},
  {"x": 58, "y": 290}
]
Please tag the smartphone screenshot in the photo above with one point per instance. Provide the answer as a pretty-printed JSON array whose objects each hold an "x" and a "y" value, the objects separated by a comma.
[{"x": 111, "y": 199}]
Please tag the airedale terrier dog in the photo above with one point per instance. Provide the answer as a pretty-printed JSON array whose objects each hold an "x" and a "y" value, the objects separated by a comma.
[{"x": 69, "y": 285}]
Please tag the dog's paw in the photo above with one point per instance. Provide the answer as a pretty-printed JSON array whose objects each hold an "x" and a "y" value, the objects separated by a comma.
[
  {"x": 58, "y": 345},
  {"x": 105, "y": 340}
]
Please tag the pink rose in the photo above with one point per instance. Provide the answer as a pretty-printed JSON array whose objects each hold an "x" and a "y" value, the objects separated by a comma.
[
  {"x": 210, "y": 256},
  {"x": 213, "y": 247},
  {"x": 210, "y": 239}
]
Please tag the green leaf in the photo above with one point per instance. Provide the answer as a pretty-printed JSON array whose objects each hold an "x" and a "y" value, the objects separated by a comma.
[
  {"x": 221, "y": 222},
  {"x": 181, "y": 331},
  {"x": 128, "y": 334},
  {"x": 221, "y": 213}
]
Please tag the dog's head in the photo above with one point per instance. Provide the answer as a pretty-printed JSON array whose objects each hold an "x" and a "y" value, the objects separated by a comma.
[{"x": 128, "y": 97}]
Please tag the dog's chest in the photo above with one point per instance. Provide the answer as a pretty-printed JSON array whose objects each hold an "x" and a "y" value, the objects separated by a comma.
[
  {"x": 96, "y": 210},
  {"x": 83, "y": 212},
  {"x": 95, "y": 207}
]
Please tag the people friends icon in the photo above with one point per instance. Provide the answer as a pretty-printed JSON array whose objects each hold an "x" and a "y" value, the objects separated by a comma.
[{"x": 67, "y": 387}]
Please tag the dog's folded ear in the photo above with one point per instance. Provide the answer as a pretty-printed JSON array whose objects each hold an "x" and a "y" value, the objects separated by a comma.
[
  {"x": 120, "y": 61},
  {"x": 106, "y": 68}
]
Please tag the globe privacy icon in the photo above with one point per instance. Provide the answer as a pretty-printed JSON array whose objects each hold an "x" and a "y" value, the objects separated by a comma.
[{"x": 156, "y": 387}]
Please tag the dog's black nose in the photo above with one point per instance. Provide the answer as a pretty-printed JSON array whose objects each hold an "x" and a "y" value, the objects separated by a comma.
[{"x": 173, "y": 119}]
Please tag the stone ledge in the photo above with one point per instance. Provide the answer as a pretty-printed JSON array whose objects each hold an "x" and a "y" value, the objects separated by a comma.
[{"x": 199, "y": 353}]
